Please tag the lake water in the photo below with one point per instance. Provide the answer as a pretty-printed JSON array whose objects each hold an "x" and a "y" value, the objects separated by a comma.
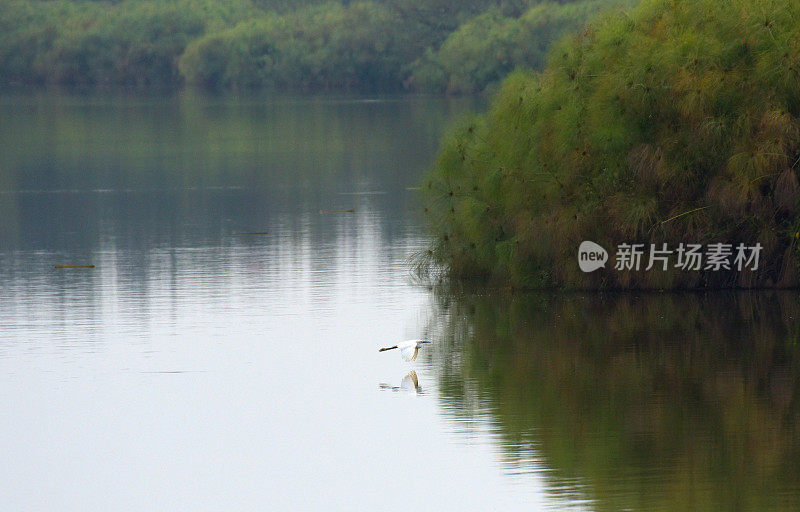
[{"x": 222, "y": 354}]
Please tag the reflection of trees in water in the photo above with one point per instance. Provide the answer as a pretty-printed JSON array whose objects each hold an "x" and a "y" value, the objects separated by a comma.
[
  {"x": 153, "y": 189},
  {"x": 197, "y": 166},
  {"x": 655, "y": 402}
]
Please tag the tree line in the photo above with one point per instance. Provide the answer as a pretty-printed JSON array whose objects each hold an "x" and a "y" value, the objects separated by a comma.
[{"x": 301, "y": 45}]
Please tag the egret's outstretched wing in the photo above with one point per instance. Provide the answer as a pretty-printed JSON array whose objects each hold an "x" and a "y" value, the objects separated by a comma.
[{"x": 409, "y": 353}]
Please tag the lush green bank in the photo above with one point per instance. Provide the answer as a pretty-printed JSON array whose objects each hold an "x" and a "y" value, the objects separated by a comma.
[
  {"x": 433, "y": 45},
  {"x": 678, "y": 122},
  {"x": 487, "y": 47}
]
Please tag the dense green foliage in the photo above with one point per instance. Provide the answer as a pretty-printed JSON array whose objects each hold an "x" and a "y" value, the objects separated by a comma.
[
  {"x": 678, "y": 122},
  {"x": 327, "y": 46},
  {"x": 486, "y": 48},
  {"x": 300, "y": 44},
  {"x": 134, "y": 42}
]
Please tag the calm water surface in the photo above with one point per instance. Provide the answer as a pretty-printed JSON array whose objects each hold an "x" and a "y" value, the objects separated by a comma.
[{"x": 222, "y": 354}]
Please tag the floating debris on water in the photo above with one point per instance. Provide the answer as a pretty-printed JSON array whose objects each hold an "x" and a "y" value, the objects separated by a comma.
[
  {"x": 74, "y": 266},
  {"x": 349, "y": 210},
  {"x": 251, "y": 233}
]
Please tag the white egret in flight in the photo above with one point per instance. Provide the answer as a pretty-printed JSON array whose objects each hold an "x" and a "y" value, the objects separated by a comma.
[{"x": 408, "y": 349}]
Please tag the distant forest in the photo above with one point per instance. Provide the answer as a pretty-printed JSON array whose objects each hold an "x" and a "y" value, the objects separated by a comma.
[{"x": 451, "y": 46}]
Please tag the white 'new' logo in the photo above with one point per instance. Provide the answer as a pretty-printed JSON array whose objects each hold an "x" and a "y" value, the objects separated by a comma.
[{"x": 591, "y": 256}]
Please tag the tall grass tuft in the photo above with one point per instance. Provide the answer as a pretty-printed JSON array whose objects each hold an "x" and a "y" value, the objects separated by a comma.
[{"x": 677, "y": 121}]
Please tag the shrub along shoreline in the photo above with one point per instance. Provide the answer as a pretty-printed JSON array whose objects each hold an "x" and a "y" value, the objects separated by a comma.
[
  {"x": 676, "y": 122},
  {"x": 296, "y": 45}
]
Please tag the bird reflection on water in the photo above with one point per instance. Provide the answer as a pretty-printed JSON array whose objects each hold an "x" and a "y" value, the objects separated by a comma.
[{"x": 410, "y": 383}]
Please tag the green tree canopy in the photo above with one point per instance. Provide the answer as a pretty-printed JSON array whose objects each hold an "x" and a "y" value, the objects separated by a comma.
[{"x": 294, "y": 45}]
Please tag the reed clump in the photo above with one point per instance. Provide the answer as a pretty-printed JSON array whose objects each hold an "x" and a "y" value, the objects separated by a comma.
[{"x": 676, "y": 122}]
